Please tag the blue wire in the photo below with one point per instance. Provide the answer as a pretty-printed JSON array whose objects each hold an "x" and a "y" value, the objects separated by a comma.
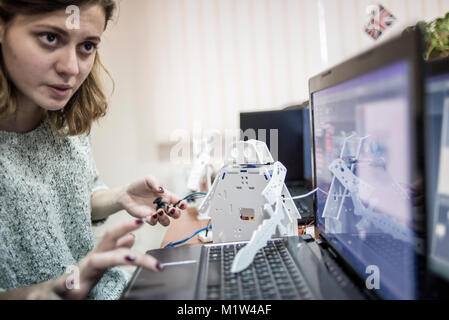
[
  {"x": 172, "y": 244},
  {"x": 195, "y": 194},
  {"x": 193, "y": 198}
]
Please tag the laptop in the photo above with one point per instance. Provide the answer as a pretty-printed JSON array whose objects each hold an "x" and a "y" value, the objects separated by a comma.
[
  {"x": 437, "y": 173},
  {"x": 370, "y": 238},
  {"x": 287, "y": 135}
]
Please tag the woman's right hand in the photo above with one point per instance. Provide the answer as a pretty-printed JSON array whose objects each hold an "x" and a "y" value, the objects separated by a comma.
[{"x": 113, "y": 250}]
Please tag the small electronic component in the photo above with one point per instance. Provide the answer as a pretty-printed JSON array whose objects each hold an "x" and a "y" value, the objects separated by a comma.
[
  {"x": 205, "y": 236},
  {"x": 161, "y": 204}
]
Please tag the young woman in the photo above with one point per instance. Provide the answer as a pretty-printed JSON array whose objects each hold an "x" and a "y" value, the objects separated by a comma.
[{"x": 50, "y": 194}]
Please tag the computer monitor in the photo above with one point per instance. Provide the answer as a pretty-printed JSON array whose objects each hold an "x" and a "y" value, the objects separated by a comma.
[
  {"x": 283, "y": 132},
  {"x": 437, "y": 167},
  {"x": 366, "y": 121},
  {"x": 307, "y": 146}
]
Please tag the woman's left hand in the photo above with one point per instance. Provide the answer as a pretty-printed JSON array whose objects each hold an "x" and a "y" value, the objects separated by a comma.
[{"x": 138, "y": 197}]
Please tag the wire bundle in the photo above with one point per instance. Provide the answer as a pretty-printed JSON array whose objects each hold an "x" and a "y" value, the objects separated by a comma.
[
  {"x": 192, "y": 196},
  {"x": 302, "y": 229},
  {"x": 195, "y": 195}
]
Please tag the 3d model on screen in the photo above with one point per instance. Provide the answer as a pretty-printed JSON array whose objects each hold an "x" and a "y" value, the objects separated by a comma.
[
  {"x": 249, "y": 180},
  {"x": 351, "y": 195}
]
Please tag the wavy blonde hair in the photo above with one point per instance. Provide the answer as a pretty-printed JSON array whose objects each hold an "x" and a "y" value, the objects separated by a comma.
[{"x": 89, "y": 102}]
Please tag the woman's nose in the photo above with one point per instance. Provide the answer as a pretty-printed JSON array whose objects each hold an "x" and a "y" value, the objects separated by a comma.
[{"x": 67, "y": 63}]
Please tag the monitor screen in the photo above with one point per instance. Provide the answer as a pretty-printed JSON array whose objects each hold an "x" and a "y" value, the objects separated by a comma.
[
  {"x": 364, "y": 169},
  {"x": 282, "y": 131},
  {"x": 437, "y": 153}
]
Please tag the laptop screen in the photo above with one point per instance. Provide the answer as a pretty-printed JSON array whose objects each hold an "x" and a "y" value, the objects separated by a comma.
[
  {"x": 282, "y": 131},
  {"x": 364, "y": 169},
  {"x": 437, "y": 151}
]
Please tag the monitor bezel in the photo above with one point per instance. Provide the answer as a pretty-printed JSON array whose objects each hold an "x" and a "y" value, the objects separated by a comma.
[
  {"x": 437, "y": 67},
  {"x": 408, "y": 47}
]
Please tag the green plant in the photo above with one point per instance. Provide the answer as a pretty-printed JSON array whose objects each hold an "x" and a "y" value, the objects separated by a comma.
[{"x": 437, "y": 38}]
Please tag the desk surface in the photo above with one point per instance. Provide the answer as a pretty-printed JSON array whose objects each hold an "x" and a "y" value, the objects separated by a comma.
[{"x": 181, "y": 228}]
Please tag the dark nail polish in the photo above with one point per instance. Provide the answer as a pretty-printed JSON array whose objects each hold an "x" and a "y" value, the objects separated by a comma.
[
  {"x": 139, "y": 221},
  {"x": 172, "y": 211},
  {"x": 130, "y": 258},
  {"x": 155, "y": 216},
  {"x": 161, "y": 213},
  {"x": 159, "y": 266}
]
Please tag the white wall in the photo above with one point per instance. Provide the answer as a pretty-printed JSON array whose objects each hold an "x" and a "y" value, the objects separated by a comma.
[{"x": 177, "y": 63}]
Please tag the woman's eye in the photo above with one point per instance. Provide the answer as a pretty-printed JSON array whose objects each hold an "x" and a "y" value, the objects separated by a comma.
[
  {"x": 89, "y": 47},
  {"x": 48, "y": 38}
]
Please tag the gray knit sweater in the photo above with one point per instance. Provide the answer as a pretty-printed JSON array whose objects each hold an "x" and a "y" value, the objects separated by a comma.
[{"x": 45, "y": 216}]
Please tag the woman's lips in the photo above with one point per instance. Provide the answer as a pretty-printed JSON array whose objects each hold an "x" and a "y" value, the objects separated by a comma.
[{"x": 61, "y": 92}]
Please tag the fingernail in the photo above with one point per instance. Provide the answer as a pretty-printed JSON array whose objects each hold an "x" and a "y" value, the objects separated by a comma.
[
  {"x": 160, "y": 212},
  {"x": 159, "y": 266},
  {"x": 155, "y": 216},
  {"x": 139, "y": 221},
  {"x": 130, "y": 258},
  {"x": 161, "y": 190},
  {"x": 182, "y": 206},
  {"x": 172, "y": 211}
]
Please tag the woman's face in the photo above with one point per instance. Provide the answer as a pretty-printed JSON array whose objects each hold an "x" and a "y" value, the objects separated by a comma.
[{"x": 47, "y": 61}]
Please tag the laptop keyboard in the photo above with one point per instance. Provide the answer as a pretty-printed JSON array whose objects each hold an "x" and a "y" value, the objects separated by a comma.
[{"x": 272, "y": 275}]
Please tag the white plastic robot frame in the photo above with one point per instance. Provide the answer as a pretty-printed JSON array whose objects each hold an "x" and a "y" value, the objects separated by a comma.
[{"x": 248, "y": 181}]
